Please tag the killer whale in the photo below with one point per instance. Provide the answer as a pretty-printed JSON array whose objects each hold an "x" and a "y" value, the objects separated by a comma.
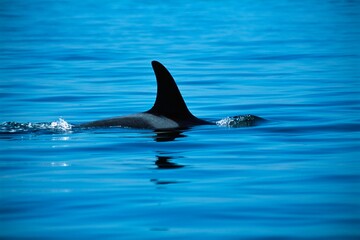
[{"x": 168, "y": 112}]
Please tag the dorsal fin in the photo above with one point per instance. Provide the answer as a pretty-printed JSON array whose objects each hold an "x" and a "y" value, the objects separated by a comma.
[{"x": 169, "y": 102}]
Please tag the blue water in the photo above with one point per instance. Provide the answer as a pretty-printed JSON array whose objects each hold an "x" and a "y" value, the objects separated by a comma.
[{"x": 294, "y": 63}]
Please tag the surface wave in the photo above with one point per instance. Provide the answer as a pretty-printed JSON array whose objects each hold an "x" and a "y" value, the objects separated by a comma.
[
  {"x": 46, "y": 127},
  {"x": 240, "y": 121}
]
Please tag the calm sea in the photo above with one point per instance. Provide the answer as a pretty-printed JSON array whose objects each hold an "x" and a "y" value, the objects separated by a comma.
[{"x": 294, "y": 63}]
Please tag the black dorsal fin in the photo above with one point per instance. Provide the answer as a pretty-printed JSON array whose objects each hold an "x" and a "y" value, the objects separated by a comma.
[{"x": 169, "y": 102}]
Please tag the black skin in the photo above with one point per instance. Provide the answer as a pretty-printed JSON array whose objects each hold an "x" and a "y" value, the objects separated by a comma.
[{"x": 168, "y": 112}]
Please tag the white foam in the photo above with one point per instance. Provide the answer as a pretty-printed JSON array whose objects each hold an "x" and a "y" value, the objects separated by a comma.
[
  {"x": 224, "y": 122},
  {"x": 238, "y": 121},
  {"x": 61, "y": 124},
  {"x": 13, "y": 127}
]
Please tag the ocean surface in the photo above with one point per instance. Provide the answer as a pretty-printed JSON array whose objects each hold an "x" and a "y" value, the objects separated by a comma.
[{"x": 293, "y": 63}]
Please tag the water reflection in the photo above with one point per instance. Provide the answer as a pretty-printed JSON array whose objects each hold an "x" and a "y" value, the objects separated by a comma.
[
  {"x": 163, "y": 162},
  {"x": 162, "y": 182},
  {"x": 167, "y": 135}
]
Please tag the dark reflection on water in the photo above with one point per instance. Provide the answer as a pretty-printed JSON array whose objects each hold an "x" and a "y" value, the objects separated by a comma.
[
  {"x": 163, "y": 182},
  {"x": 167, "y": 135},
  {"x": 163, "y": 162}
]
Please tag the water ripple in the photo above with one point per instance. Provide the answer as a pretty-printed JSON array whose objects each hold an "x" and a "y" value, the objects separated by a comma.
[{"x": 59, "y": 126}]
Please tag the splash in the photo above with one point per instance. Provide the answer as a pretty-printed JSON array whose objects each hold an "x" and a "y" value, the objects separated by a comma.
[
  {"x": 239, "y": 121},
  {"x": 59, "y": 126}
]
